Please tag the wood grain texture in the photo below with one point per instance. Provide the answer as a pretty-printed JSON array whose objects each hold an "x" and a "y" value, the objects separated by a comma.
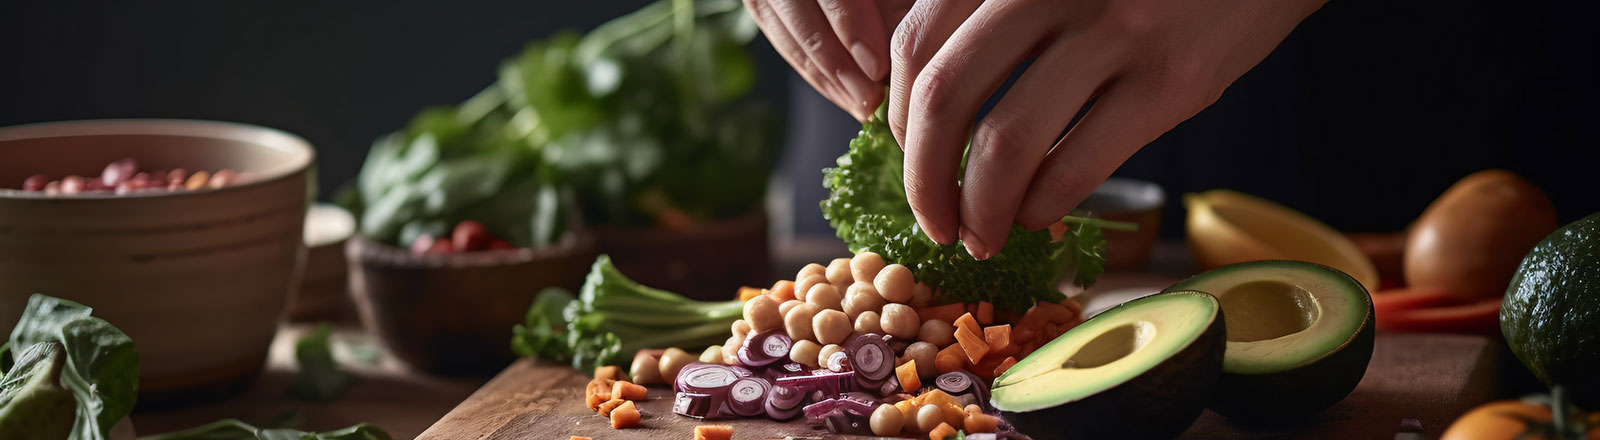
[{"x": 1431, "y": 378}]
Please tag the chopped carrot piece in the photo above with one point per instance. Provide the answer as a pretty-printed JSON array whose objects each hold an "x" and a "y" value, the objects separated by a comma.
[
  {"x": 908, "y": 408},
  {"x": 781, "y": 291},
  {"x": 1051, "y": 331},
  {"x": 606, "y": 408},
  {"x": 579, "y": 437},
  {"x": 628, "y": 390},
  {"x": 612, "y": 372},
  {"x": 972, "y": 344},
  {"x": 981, "y": 423},
  {"x": 968, "y": 324},
  {"x": 1005, "y": 364},
  {"x": 713, "y": 432},
  {"x": 985, "y": 313},
  {"x": 997, "y": 336},
  {"x": 946, "y": 313},
  {"x": 1073, "y": 306},
  {"x": 907, "y": 373},
  {"x": 1034, "y": 318},
  {"x": 944, "y": 431},
  {"x": 1020, "y": 335},
  {"x": 625, "y": 416},
  {"x": 593, "y": 401},
  {"x": 1056, "y": 313},
  {"x": 747, "y": 292},
  {"x": 949, "y": 359},
  {"x": 985, "y": 368}
]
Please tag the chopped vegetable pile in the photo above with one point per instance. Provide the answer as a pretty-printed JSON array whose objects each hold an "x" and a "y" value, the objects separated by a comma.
[
  {"x": 868, "y": 209},
  {"x": 613, "y": 317}
]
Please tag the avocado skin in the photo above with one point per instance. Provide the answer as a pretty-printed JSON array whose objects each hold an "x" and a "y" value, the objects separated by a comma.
[
  {"x": 1551, "y": 313},
  {"x": 41, "y": 409},
  {"x": 1161, "y": 403},
  {"x": 1299, "y": 392}
]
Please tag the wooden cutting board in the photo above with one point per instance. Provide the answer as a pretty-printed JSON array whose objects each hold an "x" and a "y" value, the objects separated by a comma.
[{"x": 1429, "y": 378}]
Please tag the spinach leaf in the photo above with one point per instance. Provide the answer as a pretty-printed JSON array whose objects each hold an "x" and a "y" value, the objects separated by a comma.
[
  {"x": 320, "y": 378},
  {"x": 97, "y": 364},
  {"x": 234, "y": 429}
]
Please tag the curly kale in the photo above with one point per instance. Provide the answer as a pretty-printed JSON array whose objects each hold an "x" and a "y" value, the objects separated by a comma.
[{"x": 868, "y": 209}]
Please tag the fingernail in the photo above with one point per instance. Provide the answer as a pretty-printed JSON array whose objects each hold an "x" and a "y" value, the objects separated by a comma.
[
  {"x": 936, "y": 237},
  {"x": 868, "y": 62},
  {"x": 858, "y": 87},
  {"x": 974, "y": 245}
]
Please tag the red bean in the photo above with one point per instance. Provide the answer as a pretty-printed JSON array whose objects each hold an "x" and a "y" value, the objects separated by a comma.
[
  {"x": 441, "y": 246},
  {"x": 421, "y": 244},
  {"x": 35, "y": 182},
  {"x": 72, "y": 184},
  {"x": 471, "y": 235},
  {"x": 118, "y": 171},
  {"x": 222, "y": 178}
]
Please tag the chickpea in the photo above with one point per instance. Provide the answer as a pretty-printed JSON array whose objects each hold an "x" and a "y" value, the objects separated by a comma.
[
  {"x": 865, "y": 266},
  {"x": 861, "y": 297},
  {"x": 673, "y": 361},
  {"x": 838, "y": 273},
  {"x": 831, "y": 326},
  {"x": 809, "y": 269},
  {"x": 900, "y": 321},
  {"x": 804, "y": 285},
  {"x": 929, "y": 417},
  {"x": 868, "y": 322},
  {"x": 804, "y": 351},
  {"x": 646, "y": 368},
  {"x": 741, "y": 328},
  {"x": 760, "y": 314},
  {"x": 798, "y": 322},
  {"x": 825, "y": 297},
  {"x": 783, "y": 309},
  {"x": 937, "y": 332},
  {"x": 887, "y": 421},
  {"x": 712, "y": 355},
  {"x": 826, "y": 352},
  {"x": 730, "y": 349},
  {"x": 921, "y": 296},
  {"x": 894, "y": 283},
  {"x": 923, "y": 353}
]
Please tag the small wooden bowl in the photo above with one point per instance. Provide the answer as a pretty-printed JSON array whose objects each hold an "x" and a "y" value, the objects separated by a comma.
[
  {"x": 453, "y": 314},
  {"x": 324, "y": 293},
  {"x": 199, "y": 279},
  {"x": 1128, "y": 200},
  {"x": 709, "y": 262}
]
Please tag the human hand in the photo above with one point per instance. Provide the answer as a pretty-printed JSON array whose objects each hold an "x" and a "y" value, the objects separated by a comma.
[
  {"x": 1146, "y": 65},
  {"x": 841, "y": 47}
]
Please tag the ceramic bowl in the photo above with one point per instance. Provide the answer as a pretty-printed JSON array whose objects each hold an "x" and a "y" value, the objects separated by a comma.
[
  {"x": 324, "y": 288},
  {"x": 199, "y": 279},
  {"x": 452, "y": 314},
  {"x": 1129, "y": 200}
]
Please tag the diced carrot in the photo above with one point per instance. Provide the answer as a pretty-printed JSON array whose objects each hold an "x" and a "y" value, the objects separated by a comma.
[
  {"x": 1034, "y": 318},
  {"x": 628, "y": 391},
  {"x": 1073, "y": 306},
  {"x": 606, "y": 408},
  {"x": 978, "y": 422},
  {"x": 612, "y": 372},
  {"x": 985, "y": 313},
  {"x": 1056, "y": 313},
  {"x": 713, "y": 432},
  {"x": 907, "y": 373},
  {"x": 1021, "y": 335},
  {"x": 972, "y": 345},
  {"x": 997, "y": 336},
  {"x": 1005, "y": 364},
  {"x": 949, "y": 359},
  {"x": 1051, "y": 331},
  {"x": 593, "y": 401},
  {"x": 985, "y": 368},
  {"x": 944, "y": 431},
  {"x": 747, "y": 292},
  {"x": 946, "y": 313},
  {"x": 781, "y": 291},
  {"x": 969, "y": 324},
  {"x": 908, "y": 408},
  {"x": 625, "y": 416},
  {"x": 579, "y": 437}
]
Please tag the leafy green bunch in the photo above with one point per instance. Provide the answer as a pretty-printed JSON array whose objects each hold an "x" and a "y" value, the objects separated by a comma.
[
  {"x": 637, "y": 123},
  {"x": 613, "y": 317},
  {"x": 868, "y": 209},
  {"x": 67, "y": 375}
]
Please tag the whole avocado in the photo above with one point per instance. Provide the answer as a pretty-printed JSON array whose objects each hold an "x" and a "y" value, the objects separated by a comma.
[{"x": 1551, "y": 313}]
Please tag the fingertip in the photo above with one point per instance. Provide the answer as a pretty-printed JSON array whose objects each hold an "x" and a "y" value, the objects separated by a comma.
[
  {"x": 976, "y": 245},
  {"x": 932, "y": 229}
]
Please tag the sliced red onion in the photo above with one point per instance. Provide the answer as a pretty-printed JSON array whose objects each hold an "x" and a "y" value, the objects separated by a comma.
[
  {"x": 786, "y": 370},
  {"x": 705, "y": 378},
  {"x": 765, "y": 348},
  {"x": 838, "y": 362},
  {"x": 961, "y": 383},
  {"x": 858, "y": 403},
  {"x": 741, "y": 371},
  {"x": 748, "y": 396},
  {"x": 870, "y": 356},
  {"x": 847, "y": 423},
  {"x": 697, "y": 405},
  {"x": 823, "y": 382},
  {"x": 889, "y": 387},
  {"x": 784, "y": 402}
]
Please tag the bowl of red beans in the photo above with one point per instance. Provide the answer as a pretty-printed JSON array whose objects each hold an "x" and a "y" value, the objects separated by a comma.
[{"x": 185, "y": 234}]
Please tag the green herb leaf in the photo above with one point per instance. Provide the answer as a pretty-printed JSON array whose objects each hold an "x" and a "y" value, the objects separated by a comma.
[
  {"x": 234, "y": 429},
  {"x": 100, "y": 366},
  {"x": 319, "y": 378}
]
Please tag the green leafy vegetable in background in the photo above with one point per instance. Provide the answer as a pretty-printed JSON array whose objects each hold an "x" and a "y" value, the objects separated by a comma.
[
  {"x": 320, "y": 378},
  {"x": 233, "y": 429},
  {"x": 612, "y": 317},
  {"x": 66, "y": 372},
  {"x": 640, "y": 122},
  {"x": 868, "y": 209}
]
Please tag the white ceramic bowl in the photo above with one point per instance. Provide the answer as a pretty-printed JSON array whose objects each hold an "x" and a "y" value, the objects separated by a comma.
[{"x": 199, "y": 279}]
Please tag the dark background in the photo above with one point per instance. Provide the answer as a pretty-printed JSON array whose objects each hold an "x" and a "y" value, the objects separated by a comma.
[{"x": 1360, "y": 118}]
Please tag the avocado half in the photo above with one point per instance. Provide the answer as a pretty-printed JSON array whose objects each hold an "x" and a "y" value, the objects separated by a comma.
[
  {"x": 1142, "y": 369},
  {"x": 1299, "y": 337}
]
